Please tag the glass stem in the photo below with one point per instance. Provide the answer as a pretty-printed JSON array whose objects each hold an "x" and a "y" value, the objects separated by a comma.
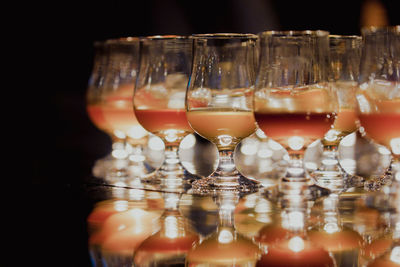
[
  {"x": 295, "y": 170},
  {"x": 227, "y": 202},
  {"x": 226, "y": 172},
  {"x": 119, "y": 159},
  {"x": 171, "y": 165}
]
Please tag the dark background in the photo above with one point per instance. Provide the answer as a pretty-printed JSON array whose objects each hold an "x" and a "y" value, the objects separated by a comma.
[{"x": 64, "y": 142}]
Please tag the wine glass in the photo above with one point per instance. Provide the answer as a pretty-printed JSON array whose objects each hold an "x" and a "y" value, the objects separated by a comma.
[
  {"x": 378, "y": 95},
  {"x": 93, "y": 100},
  {"x": 293, "y": 101},
  {"x": 345, "y": 54},
  {"x": 117, "y": 110},
  {"x": 378, "y": 99},
  {"x": 219, "y": 103},
  {"x": 159, "y": 100}
]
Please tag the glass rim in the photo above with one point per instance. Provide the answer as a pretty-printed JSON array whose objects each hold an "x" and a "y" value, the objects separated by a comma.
[
  {"x": 165, "y": 37},
  {"x": 345, "y": 37},
  {"x": 295, "y": 33},
  {"x": 377, "y": 29},
  {"x": 122, "y": 40},
  {"x": 224, "y": 36}
]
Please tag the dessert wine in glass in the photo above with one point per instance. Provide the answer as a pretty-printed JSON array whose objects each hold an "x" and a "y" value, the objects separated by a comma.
[
  {"x": 93, "y": 100},
  {"x": 114, "y": 163},
  {"x": 219, "y": 103},
  {"x": 345, "y": 53},
  {"x": 293, "y": 102},
  {"x": 117, "y": 109},
  {"x": 378, "y": 94},
  {"x": 159, "y": 99}
]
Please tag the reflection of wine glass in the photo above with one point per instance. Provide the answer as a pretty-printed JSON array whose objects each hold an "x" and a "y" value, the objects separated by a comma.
[
  {"x": 225, "y": 246},
  {"x": 387, "y": 250},
  {"x": 345, "y": 53},
  {"x": 378, "y": 94},
  {"x": 293, "y": 102},
  {"x": 169, "y": 245},
  {"x": 159, "y": 98},
  {"x": 288, "y": 244},
  {"x": 330, "y": 233},
  {"x": 118, "y": 225},
  {"x": 219, "y": 102},
  {"x": 112, "y": 103}
]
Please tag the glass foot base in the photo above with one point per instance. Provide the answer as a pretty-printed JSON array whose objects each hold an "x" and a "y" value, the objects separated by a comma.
[
  {"x": 286, "y": 189},
  {"x": 336, "y": 181},
  {"x": 211, "y": 185},
  {"x": 171, "y": 181}
]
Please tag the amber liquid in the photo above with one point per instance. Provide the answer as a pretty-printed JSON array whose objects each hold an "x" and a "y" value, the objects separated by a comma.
[
  {"x": 119, "y": 115},
  {"x": 346, "y": 121},
  {"x": 117, "y": 110},
  {"x": 282, "y": 126},
  {"x": 381, "y": 127},
  {"x": 343, "y": 245},
  {"x": 281, "y": 256},
  {"x": 159, "y": 250},
  {"x": 96, "y": 115},
  {"x": 162, "y": 122},
  {"x": 240, "y": 252},
  {"x": 212, "y": 123}
]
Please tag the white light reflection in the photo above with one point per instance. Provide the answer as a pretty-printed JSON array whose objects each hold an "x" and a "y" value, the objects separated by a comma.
[
  {"x": 119, "y": 134},
  {"x": 137, "y": 132},
  {"x": 274, "y": 145},
  {"x": 225, "y": 237},
  {"x": 155, "y": 143},
  {"x": 296, "y": 142},
  {"x": 296, "y": 219},
  {"x": 177, "y": 100},
  {"x": 265, "y": 153},
  {"x": 349, "y": 140},
  {"x": 296, "y": 244},
  {"x": 349, "y": 165},
  {"x": 119, "y": 153},
  {"x": 188, "y": 142},
  {"x": 395, "y": 255},
  {"x": 395, "y": 145},
  {"x": 171, "y": 135},
  {"x": 331, "y": 228},
  {"x": 171, "y": 227},
  {"x": 121, "y": 205},
  {"x": 137, "y": 158},
  {"x": 138, "y": 215},
  {"x": 311, "y": 165},
  {"x": 260, "y": 133},
  {"x": 249, "y": 148},
  {"x": 383, "y": 150}
]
